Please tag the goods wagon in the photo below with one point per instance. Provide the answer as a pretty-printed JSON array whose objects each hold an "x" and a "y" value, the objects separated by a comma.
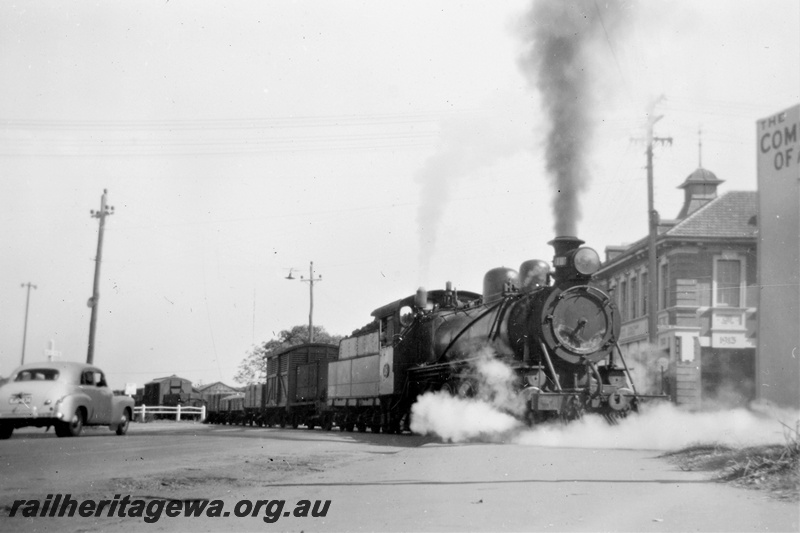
[
  {"x": 214, "y": 414},
  {"x": 295, "y": 388},
  {"x": 231, "y": 409},
  {"x": 155, "y": 390}
]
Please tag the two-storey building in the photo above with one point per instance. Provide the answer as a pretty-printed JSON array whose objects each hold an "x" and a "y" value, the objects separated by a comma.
[{"x": 707, "y": 297}]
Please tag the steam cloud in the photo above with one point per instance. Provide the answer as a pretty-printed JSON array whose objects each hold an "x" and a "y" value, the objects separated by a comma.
[
  {"x": 558, "y": 37},
  {"x": 459, "y": 420},
  {"x": 664, "y": 426},
  {"x": 488, "y": 417},
  {"x": 646, "y": 366},
  {"x": 467, "y": 144}
]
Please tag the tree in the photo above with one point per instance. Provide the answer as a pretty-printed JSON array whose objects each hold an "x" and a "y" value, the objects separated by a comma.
[{"x": 253, "y": 368}]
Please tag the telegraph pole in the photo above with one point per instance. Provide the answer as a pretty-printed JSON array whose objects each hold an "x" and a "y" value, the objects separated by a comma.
[
  {"x": 105, "y": 210},
  {"x": 311, "y": 279},
  {"x": 652, "y": 267},
  {"x": 25, "y": 328}
]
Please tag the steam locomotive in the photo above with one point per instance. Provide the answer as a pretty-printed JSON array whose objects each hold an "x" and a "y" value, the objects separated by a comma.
[{"x": 554, "y": 331}]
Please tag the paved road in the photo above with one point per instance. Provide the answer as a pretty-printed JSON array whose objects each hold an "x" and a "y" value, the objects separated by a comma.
[{"x": 373, "y": 483}]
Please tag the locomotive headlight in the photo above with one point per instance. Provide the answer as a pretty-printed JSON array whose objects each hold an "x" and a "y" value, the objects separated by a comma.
[{"x": 586, "y": 261}]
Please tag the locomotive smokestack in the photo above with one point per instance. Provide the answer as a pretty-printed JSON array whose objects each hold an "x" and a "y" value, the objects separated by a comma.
[{"x": 563, "y": 246}]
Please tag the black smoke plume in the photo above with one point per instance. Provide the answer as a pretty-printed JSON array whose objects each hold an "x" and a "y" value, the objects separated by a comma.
[{"x": 560, "y": 38}]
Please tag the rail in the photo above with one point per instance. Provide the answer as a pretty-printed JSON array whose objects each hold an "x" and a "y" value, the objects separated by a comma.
[{"x": 141, "y": 412}]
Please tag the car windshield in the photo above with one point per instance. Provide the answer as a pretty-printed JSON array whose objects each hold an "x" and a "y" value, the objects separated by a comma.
[{"x": 38, "y": 374}]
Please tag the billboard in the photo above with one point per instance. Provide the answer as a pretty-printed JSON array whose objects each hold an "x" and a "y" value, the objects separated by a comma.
[{"x": 778, "y": 359}]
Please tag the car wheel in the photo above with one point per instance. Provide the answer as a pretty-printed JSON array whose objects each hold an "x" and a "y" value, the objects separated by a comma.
[
  {"x": 5, "y": 431},
  {"x": 72, "y": 427},
  {"x": 122, "y": 428}
]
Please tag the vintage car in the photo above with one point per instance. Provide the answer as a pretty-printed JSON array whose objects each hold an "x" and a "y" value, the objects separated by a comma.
[{"x": 65, "y": 395}]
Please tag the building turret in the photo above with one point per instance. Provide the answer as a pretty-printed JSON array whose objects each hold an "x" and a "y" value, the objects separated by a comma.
[{"x": 700, "y": 188}]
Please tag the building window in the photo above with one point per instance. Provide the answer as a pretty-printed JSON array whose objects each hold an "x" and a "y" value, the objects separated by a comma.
[
  {"x": 645, "y": 293},
  {"x": 728, "y": 282},
  {"x": 634, "y": 297},
  {"x": 663, "y": 284},
  {"x": 623, "y": 299}
]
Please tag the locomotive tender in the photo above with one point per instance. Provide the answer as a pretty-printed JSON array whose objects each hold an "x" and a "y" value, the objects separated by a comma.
[{"x": 555, "y": 332}]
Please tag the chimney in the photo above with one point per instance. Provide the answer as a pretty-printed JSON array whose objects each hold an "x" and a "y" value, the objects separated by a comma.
[
  {"x": 700, "y": 187},
  {"x": 564, "y": 246}
]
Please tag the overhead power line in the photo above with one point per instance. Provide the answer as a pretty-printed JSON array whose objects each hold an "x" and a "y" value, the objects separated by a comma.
[
  {"x": 246, "y": 123},
  {"x": 223, "y": 136}
]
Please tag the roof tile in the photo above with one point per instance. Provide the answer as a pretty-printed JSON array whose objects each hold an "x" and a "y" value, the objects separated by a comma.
[{"x": 730, "y": 215}]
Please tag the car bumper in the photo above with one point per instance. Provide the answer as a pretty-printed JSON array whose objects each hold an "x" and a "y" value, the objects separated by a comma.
[
  {"x": 32, "y": 414},
  {"x": 30, "y": 421}
]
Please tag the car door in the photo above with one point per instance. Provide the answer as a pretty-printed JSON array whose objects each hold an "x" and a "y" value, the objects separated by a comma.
[
  {"x": 106, "y": 404},
  {"x": 93, "y": 384}
]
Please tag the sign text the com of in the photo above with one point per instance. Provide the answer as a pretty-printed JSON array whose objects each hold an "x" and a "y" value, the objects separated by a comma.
[{"x": 779, "y": 140}]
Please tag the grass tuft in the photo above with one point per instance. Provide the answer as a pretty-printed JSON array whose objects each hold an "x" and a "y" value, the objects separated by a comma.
[{"x": 773, "y": 468}]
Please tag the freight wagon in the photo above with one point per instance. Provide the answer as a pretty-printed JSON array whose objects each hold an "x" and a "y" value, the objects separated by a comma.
[
  {"x": 214, "y": 414},
  {"x": 296, "y": 387},
  {"x": 155, "y": 390},
  {"x": 231, "y": 409}
]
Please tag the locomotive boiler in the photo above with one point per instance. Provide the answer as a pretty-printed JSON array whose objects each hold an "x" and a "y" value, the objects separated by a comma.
[{"x": 553, "y": 330}]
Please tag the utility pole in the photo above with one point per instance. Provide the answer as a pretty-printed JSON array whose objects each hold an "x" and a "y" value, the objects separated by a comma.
[
  {"x": 25, "y": 328},
  {"x": 652, "y": 267},
  {"x": 311, "y": 279},
  {"x": 105, "y": 210}
]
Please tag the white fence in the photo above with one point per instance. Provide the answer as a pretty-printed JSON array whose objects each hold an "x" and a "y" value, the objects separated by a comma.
[{"x": 141, "y": 412}]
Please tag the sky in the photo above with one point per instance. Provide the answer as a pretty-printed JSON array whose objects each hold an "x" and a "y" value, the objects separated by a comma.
[{"x": 394, "y": 144}]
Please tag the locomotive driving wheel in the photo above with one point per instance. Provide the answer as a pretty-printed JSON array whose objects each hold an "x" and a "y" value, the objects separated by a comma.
[{"x": 467, "y": 389}]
